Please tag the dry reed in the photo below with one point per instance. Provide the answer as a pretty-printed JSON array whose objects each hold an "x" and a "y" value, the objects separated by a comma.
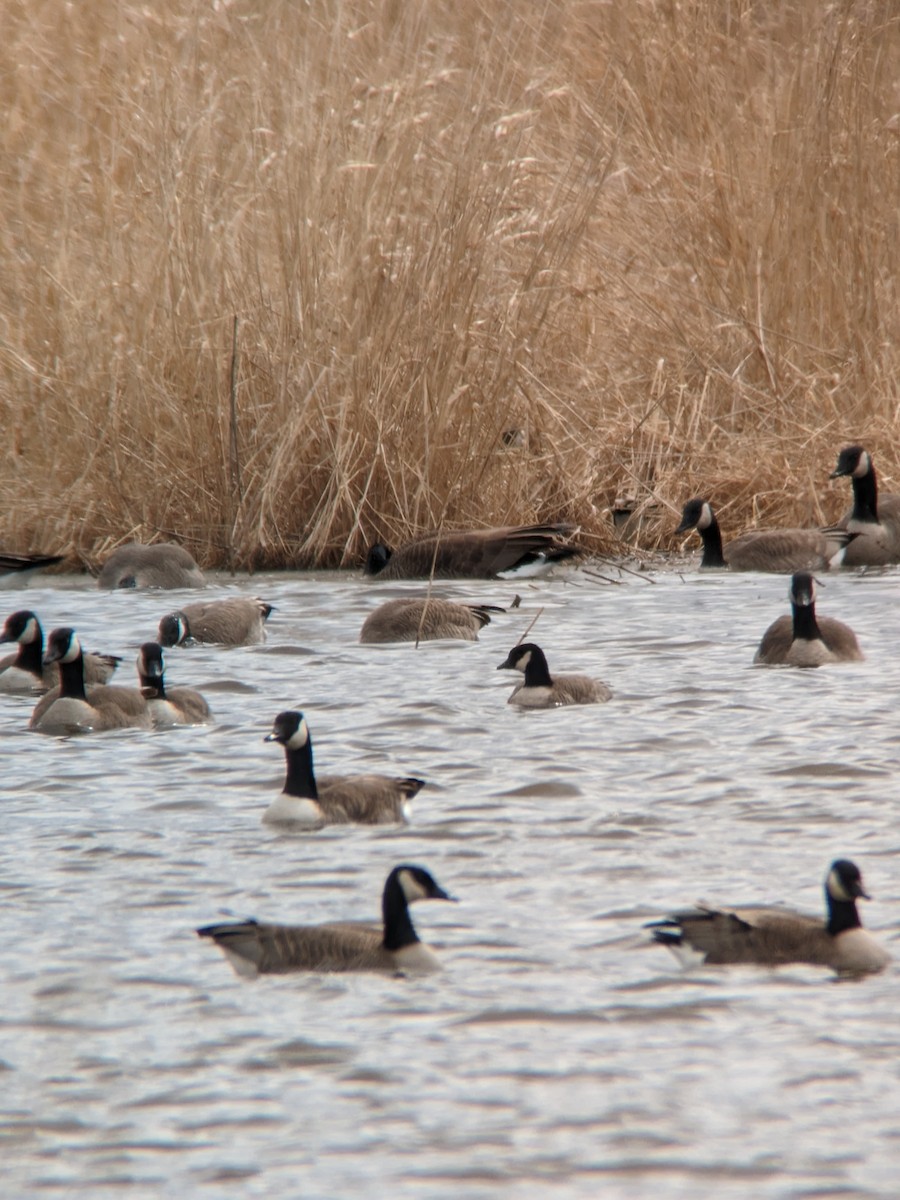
[{"x": 278, "y": 279}]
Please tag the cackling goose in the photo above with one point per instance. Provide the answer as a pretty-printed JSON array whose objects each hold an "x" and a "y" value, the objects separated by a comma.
[
  {"x": 70, "y": 709},
  {"x": 508, "y": 552},
  {"x": 331, "y": 799},
  {"x": 25, "y": 671},
  {"x": 771, "y": 936},
  {"x": 237, "y": 621},
  {"x": 423, "y": 620},
  {"x": 161, "y": 565},
  {"x": 256, "y": 949},
  {"x": 168, "y": 706},
  {"x": 803, "y": 640},
  {"x": 16, "y": 568},
  {"x": 778, "y": 550},
  {"x": 874, "y": 519},
  {"x": 540, "y": 689}
]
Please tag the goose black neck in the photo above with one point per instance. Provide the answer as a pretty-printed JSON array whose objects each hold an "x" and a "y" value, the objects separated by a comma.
[
  {"x": 842, "y": 915},
  {"x": 301, "y": 780},
  {"x": 537, "y": 673},
  {"x": 30, "y": 657},
  {"x": 71, "y": 679},
  {"x": 155, "y": 684},
  {"x": 865, "y": 497},
  {"x": 805, "y": 624},
  {"x": 398, "y": 926},
  {"x": 712, "y": 546}
]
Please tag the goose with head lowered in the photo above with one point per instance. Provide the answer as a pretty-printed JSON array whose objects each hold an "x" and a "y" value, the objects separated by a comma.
[
  {"x": 69, "y": 708},
  {"x": 412, "y": 619},
  {"x": 770, "y": 936},
  {"x": 160, "y": 565},
  {"x": 803, "y": 639},
  {"x": 308, "y": 799},
  {"x": 168, "y": 706},
  {"x": 237, "y": 621},
  {"x": 508, "y": 552},
  {"x": 254, "y": 948},
  {"x": 874, "y": 519},
  {"x": 25, "y": 671},
  {"x": 540, "y": 689},
  {"x": 776, "y": 550}
]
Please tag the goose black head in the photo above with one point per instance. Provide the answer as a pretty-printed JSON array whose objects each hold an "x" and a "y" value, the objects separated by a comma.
[
  {"x": 696, "y": 514},
  {"x": 802, "y": 591},
  {"x": 290, "y": 729},
  {"x": 853, "y": 461},
  {"x": 150, "y": 660},
  {"x": 417, "y": 884},
  {"x": 377, "y": 559},
  {"x": 173, "y": 629},
  {"x": 520, "y": 656},
  {"x": 62, "y": 646},
  {"x": 22, "y": 626},
  {"x": 844, "y": 881}
]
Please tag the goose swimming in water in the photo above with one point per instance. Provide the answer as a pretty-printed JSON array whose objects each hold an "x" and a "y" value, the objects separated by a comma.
[
  {"x": 26, "y": 671},
  {"x": 254, "y": 948},
  {"x": 71, "y": 709},
  {"x": 414, "y": 619},
  {"x": 16, "y": 569},
  {"x": 308, "y": 799},
  {"x": 803, "y": 639},
  {"x": 540, "y": 689},
  {"x": 778, "y": 550},
  {"x": 160, "y": 565},
  {"x": 168, "y": 706},
  {"x": 508, "y": 552},
  {"x": 237, "y": 621},
  {"x": 772, "y": 936},
  {"x": 874, "y": 519}
]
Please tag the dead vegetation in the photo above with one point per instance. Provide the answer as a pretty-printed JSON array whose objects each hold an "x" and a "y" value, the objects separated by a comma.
[{"x": 281, "y": 279}]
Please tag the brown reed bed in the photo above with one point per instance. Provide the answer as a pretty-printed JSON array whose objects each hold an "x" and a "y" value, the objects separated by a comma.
[{"x": 280, "y": 279}]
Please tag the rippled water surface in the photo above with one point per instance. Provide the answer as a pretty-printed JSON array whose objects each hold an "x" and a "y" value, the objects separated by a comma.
[{"x": 558, "y": 1053}]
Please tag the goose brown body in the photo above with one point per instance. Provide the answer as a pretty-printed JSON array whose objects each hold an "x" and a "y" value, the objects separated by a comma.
[
  {"x": 540, "y": 689},
  {"x": 804, "y": 639},
  {"x": 263, "y": 949},
  {"x": 771, "y": 936},
  {"x": 168, "y": 706},
  {"x": 874, "y": 518},
  {"x": 780, "y": 551},
  {"x": 19, "y": 565},
  {"x": 475, "y": 554},
  {"x": 237, "y": 621},
  {"x": 26, "y": 671},
  {"x": 160, "y": 565},
  {"x": 310, "y": 799},
  {"x": 420, "y": 620},
  {"x": 69, "y": 708}
]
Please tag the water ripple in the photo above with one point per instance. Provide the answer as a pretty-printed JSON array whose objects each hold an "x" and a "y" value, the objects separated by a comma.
[{"x": 559, "y": 1051}]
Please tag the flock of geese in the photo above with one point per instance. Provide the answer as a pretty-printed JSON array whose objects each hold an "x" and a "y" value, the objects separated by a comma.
[{"x": 83, "y": 700}]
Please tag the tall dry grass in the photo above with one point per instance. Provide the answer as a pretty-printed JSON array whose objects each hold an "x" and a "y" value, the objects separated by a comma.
[{"x": 277, "y": 278}]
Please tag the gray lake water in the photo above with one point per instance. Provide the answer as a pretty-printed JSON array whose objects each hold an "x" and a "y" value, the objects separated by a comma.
[{"x": 558, "y": 1053}]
